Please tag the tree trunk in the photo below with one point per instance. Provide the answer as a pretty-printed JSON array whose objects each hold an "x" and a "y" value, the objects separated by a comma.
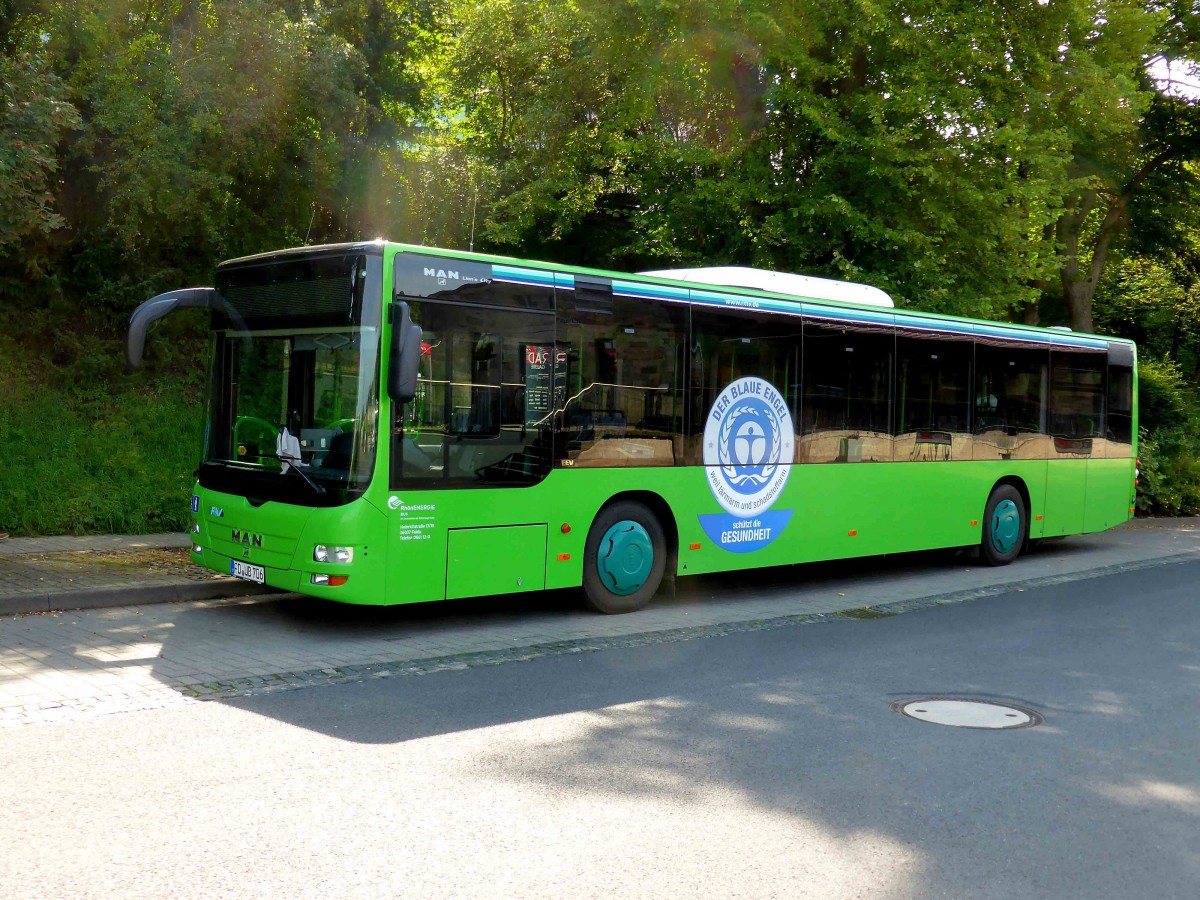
[
  {"x": 1078, "y": 296},
  {"x": 1080, "y": 278}
]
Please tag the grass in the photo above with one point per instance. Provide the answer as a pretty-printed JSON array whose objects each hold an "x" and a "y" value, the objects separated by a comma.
[{"x": 102, "y": 455}]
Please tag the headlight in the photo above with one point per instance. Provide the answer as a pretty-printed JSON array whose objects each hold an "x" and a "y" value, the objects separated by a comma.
[{"x": 324, "y": 554}]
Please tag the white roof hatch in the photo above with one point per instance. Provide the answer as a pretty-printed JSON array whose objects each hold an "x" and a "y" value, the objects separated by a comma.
[{"x": 805, "y": 286}]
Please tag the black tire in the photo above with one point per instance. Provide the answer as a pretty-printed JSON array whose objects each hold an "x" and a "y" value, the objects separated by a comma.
[
  {"x": 602, "y": 589},
  {"x": 1005, "y": 525}
]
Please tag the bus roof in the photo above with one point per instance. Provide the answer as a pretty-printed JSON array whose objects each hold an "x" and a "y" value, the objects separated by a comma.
[
  {"x": 669, "y": 287},
  {"x": 805, "y": 294}
]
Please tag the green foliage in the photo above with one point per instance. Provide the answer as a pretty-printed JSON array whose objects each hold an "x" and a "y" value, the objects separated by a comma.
[
  {"x": 1157, "y": 304},
  {"x": 972, "y": 158},
  {"x": 1169, "y": 443},
  {"x": 1170, "y": 473},
  {"x": 33, "y": 118},
  {"x": 113, "y": 461}
]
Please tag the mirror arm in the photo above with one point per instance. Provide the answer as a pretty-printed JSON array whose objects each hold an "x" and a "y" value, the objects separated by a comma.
[{"x": 165, "y": 304}]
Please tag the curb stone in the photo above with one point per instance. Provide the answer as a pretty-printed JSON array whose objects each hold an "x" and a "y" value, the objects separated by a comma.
[{"x": 134, "y": 595}]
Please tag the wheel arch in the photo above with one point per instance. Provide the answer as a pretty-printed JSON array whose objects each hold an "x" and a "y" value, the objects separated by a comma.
[{"x": 1019, "y": 483}]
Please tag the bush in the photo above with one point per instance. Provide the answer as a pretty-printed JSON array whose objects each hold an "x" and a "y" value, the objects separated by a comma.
[{"x": 1169, "y": 441}]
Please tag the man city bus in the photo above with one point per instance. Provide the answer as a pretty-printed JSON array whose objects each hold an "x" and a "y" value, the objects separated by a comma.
[{"x": 393, "y": 424}]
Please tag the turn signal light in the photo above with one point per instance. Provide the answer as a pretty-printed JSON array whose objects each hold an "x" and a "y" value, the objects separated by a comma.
[{"x": 330, "y": 580}]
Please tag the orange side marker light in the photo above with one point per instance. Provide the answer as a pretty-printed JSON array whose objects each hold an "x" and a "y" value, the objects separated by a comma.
[
  {"x": 852, "y": 533},
  {"x": 974, "y": 522},
  {"x": 693, "y": 546},
  {"x": 563, "y": 557}
]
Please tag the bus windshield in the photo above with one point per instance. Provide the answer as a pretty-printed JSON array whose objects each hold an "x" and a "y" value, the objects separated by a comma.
[{"x": 294, "y": 399}]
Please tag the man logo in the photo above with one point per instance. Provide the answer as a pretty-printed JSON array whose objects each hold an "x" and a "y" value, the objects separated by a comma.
[{"x": 247, "y": 538}]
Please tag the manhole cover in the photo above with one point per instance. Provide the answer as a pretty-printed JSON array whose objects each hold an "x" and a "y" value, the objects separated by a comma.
[{"x": 964, "y": 713}]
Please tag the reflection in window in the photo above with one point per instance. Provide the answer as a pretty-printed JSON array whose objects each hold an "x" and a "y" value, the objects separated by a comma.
[
  {"x": 1010, "y": 402},
  {"x": 933, "y": 399},
  {"x": 618, "y": 378},
  {"x": 727, "y": 346},
  {"x": 479, "y": 413},
  {"x": 847, "y": 405}
]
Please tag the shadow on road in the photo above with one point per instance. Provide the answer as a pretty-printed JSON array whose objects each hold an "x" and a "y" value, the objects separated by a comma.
[{"x": 796, "y": 722}]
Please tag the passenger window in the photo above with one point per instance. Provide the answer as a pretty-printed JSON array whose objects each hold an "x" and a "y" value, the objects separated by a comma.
[
  {"x": 1119, "y": 413},
  {"x": 618, "y": 378},
  {"x": 846, "y": 413},
  {"x": 933, "y": 399},
  {"x": 729, "y": 345},
  {"x": 1076, "y": 400},
  {"x": 1010, "y": 401}
]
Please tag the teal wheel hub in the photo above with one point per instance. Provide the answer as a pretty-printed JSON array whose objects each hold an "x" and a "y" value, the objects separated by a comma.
[
  {"x": 1006, "y": 526},
  {"x": 626, "y": 557}
]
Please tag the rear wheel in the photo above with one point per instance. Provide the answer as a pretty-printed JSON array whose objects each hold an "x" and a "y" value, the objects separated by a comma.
[
  {"x": 1005, "y": 524},
  {"x": 625, "y": 558}
]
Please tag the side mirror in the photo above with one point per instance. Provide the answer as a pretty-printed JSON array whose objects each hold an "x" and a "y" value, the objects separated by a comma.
[
  {"x": 163, "y": 305},
  {"x": 405, "y": 357}
]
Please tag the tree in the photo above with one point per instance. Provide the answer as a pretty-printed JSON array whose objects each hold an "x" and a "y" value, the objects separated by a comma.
[
  {"x": 33, "y": 120},
  {"x": 883, "y": 142},
  {"x": 1125, "y": 138}
]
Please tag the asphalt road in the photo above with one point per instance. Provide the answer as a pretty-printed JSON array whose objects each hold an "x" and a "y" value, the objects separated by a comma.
[{"x": 758, "y": 764}]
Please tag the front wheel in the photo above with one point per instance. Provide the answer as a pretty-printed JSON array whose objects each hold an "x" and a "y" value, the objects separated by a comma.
[
  {"x": 1005, "y": 525},
  {"x": 624, "y": 560}
]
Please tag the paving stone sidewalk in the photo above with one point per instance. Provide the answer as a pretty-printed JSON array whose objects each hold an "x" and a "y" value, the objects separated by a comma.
[
  {"x": 48, "y": 573},
  {"x": 66, "y": 666}
]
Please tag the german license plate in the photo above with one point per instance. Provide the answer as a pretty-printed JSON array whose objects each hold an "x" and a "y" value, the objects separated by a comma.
[{"x": 247, "y": 572}]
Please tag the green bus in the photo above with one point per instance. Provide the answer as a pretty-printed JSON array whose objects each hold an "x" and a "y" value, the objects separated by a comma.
[{"x": 394, "y": 424}]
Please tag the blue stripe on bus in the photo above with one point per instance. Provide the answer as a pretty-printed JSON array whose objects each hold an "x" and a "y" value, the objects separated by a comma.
[
  {"x": 838, "y": 314},
  {"x": 537, "y": 277},
  {"x": 650, "y": 291},
  {"x": 735, "y": 301},
  {"x": 900, "y": 320},
  {"x": 1053, "y": 337}
]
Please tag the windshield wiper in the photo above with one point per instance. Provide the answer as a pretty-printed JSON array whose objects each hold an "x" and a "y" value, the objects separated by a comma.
[{"x": 290, "y": 466}]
